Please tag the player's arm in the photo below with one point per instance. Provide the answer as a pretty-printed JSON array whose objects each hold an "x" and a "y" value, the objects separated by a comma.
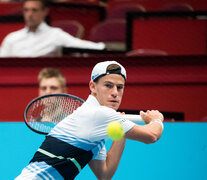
[
  {"x": 150, "y": 132},
  {"x": 104, "y": 170},
  {"x": 69, "y": 41}
]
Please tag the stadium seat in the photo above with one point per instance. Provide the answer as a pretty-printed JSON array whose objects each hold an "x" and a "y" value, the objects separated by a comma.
[
  {"x": 112, "y": 32},
  {"x": 72, "y": 27},
  {"x": 120, "y": 11},
  {"x": 177, "y": 7}
]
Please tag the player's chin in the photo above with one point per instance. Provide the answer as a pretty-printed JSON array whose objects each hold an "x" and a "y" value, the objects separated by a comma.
[{"x": 114, "y": 106}]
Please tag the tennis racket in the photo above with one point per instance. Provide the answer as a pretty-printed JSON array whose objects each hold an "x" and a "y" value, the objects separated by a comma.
[{"x": 44, "y": 112}]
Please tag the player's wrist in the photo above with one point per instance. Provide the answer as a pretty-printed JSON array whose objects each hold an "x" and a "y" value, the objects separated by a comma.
[{"x": 157, "y": 121}]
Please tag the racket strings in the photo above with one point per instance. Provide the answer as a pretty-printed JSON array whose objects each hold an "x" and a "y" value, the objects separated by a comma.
[{"x": 45, "y": 113}]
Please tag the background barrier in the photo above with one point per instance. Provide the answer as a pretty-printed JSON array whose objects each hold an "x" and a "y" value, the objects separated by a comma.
[{"x": 169, "y": 83}]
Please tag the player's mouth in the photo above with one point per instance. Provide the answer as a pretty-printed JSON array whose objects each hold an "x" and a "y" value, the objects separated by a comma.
[{"x": 113, "y": 101}]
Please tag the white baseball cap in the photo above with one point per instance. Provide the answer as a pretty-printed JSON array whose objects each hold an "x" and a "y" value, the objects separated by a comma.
[{"x": 101, "y": 69}]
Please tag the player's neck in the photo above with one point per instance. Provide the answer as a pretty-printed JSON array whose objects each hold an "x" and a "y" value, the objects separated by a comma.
[{"x": 32, "y": 29}]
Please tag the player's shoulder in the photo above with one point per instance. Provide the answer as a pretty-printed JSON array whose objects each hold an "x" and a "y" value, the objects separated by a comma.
[
  {"x": 56, "y": 29},
  {"x": 105, "y": 108},
  {"x": 60, "y": 32},
  {"x": 15, "y": 34},
  {"x": 105, "y": 111}
]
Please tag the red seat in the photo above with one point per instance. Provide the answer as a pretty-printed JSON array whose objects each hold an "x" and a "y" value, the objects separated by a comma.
[
  {"x": 177, "y": 7},
  {"x": 120, "y": 11},
  {"x": 72, "y": 27},
  {"x": 112, "y": 32},
  {"x": 109, "y": 30}
]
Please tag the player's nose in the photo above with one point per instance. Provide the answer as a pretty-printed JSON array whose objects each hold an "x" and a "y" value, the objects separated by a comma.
[{"x": 114, "y": 91}]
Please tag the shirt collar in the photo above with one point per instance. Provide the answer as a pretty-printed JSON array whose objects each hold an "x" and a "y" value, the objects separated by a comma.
[
  {"x": 93, "y": 100},
  {"x": 42, "y": 27}
]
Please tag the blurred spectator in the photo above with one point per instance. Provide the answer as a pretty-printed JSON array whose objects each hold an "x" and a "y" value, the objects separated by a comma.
[
  {"x": 51, "y": 81},
  {"x": 38, "y": 38}
]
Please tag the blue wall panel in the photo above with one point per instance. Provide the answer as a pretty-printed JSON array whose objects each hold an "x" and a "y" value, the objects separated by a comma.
[{"x": 180, "y": 154}]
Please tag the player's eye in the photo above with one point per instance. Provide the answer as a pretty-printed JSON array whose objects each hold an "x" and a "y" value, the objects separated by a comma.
[
  {"x": 32, "y": 10},
  {"x": 43, "y": 88},
  {"x": 35, "y": 10},
  {"x": 53, "y": 88},
  {"x": 25, "y": 10},
  {"x": 120, "y": 87},
  {"x": 109, "y": 85}
]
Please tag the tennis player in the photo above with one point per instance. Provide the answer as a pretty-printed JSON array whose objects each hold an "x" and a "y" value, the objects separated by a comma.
[{"x": 79, "y": 139}]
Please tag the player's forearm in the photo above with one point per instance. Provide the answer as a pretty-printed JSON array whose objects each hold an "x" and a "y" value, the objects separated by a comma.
[
  {"x": 149, "y": 133},
  {"x": 113, "y": 157},
  {"x": 155, "y": 131},
  {"x": 152, "y": 131},
  {"x": 104, "y": 170}
]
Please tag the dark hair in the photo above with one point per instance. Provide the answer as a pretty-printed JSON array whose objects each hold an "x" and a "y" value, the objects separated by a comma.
[{"x": 45, "y": 3}]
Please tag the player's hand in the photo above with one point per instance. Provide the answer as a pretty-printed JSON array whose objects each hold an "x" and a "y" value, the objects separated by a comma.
[{"x": 151, "y": 115}]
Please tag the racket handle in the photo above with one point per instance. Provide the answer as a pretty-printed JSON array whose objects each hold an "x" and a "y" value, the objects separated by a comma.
[{"x": 133, "y": 118}]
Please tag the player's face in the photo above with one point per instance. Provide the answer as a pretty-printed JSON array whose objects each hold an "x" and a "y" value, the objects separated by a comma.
[
  {"x": 50, "y": 86},
  {"x": 34, "y": 14},
  {"x": 109, "y": 90}
]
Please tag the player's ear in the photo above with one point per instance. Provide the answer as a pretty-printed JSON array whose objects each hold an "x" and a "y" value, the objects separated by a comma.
[{"x": 92, "y": 86}]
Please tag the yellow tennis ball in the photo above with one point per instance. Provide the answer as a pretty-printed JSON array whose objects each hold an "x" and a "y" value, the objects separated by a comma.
[{"x": 115, "y": 130}]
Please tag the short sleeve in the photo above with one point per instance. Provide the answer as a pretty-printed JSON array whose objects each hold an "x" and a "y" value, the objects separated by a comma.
[
  {"x": 127, "y": 125},
  {"x": 101, "y": 154},
  {"x": 102, "y": 117}
]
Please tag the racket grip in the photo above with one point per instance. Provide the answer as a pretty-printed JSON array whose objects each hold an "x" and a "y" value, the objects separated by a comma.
[{"x": 133, "y": 118}]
